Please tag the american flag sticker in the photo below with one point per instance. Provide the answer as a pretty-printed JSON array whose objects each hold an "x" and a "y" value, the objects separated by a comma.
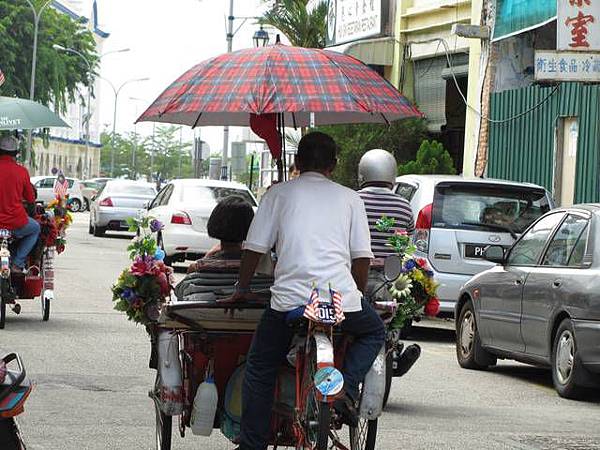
[
  {"x": 323, "y": 310},
  {"x": 61, "y": 186}
]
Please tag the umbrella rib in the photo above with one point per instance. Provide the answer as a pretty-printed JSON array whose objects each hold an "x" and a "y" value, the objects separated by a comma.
[{"x": 197, "y": 120}]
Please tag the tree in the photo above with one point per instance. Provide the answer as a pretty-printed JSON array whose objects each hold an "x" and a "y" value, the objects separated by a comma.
[
  {"x": 58, "y": 73},
  {"x": 303, "y": 26},
  {"x": 401, "y": 138},
  {"x": 432, "y": 158},
  {"x": 169, "y": 154}
]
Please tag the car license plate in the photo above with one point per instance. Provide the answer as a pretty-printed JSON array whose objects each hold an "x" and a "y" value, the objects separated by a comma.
[{"x": 474, "y": 251}]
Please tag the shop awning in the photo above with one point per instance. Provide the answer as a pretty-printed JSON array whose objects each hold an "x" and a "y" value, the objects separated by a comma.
[
  {"x": 377, "y": 51},
  {"x": 518, "y": 16}
]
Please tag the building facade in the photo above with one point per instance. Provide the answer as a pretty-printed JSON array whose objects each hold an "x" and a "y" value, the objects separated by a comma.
[
  {"x": 69, "y": 149},
  {"x": 521, "y": 129}
]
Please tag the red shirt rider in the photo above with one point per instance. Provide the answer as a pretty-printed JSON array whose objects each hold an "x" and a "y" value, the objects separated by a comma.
[{"x": 16, "y": 187}]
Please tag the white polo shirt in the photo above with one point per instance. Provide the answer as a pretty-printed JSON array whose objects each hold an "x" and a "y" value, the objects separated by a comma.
[{"x": 318, "y": 227}]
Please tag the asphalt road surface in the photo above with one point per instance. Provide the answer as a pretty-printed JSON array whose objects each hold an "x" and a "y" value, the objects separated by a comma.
[{"x": 90, "y": 368}]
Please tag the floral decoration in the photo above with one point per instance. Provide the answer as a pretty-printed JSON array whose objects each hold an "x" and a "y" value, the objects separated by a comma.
[
  {"x": 414, "y": 290},
  {"x": 143, "y": 286},
  {"x": 55, "y": 222}
]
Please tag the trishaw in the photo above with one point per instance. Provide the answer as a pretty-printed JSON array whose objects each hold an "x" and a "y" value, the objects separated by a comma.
[
  {"x": 37, "y": 282},
  {"x": 195, "y": 338}
]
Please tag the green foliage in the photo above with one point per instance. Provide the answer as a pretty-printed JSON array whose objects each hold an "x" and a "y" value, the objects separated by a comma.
[
  {"x": 401, "y": 138},
  {"x": 168, "y": 155},
  {"x": 303, "y": 27},
  {"x": 58, "y": 74},
  {"x": 432, "y": 158}
]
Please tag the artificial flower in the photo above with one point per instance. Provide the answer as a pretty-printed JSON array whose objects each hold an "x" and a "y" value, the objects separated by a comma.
[
  {"x": 156, "y": 225},
  {"x": 432, "y": 307}
]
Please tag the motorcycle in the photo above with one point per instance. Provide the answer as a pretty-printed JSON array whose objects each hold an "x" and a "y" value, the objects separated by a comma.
[{"x": 14, "y": 391}]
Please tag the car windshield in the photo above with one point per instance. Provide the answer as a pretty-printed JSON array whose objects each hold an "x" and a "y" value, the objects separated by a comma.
[
  {"x": 131, "y": 189},
  {"x": 488, "y": 207},
  {"x": 199, "y": 194}
]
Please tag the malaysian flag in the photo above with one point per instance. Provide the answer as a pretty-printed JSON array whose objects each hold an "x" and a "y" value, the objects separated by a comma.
[
  {"x": 2, "y": 79},
  {"x": 61, "y": 186}
]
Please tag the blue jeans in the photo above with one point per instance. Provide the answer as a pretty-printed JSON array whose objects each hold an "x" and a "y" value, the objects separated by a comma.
[
  {"x": 268, "y": 351},
  {"x": 27, "y": 237}
]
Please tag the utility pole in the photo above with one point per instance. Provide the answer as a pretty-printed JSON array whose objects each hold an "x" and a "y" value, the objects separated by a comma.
[
  {"x": 230, "y": 19},
  {"x": 180, "y": 148},
  {"x": 152, "y": 152}
]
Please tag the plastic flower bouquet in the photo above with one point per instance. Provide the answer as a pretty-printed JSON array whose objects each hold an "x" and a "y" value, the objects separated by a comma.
[
  {"x": 62, "y": 220},
  {"x": 415, "y": 290},
  {"x": 142, "y": 287}
]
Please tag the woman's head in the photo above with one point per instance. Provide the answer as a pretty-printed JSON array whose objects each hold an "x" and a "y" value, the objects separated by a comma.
[{"x": 230, "y": 220}]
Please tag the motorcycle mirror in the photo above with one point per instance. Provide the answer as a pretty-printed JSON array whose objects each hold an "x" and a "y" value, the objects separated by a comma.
[{"x": 392, "y": 267}]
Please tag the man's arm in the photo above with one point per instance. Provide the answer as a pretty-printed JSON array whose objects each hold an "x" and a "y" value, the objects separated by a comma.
[
  {"x": 360, "y": 273},
  {"x": 28, "y": 194},
  {"x": 248, "y": 266}
]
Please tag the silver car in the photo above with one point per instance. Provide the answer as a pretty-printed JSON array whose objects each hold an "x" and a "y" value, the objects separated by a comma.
[
  {"x": 117, "y": 201},
  {"x": 456, "y": 218},
  {"x": 541, "y": 303}
]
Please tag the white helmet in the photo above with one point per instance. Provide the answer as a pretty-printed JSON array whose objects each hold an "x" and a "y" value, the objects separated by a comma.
[{"x": 377, "y": 166}]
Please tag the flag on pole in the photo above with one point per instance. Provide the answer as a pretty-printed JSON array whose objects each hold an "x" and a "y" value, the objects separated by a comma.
[
  {"x": 61, "y": 186},
  {"x": 2, "y": 79}
]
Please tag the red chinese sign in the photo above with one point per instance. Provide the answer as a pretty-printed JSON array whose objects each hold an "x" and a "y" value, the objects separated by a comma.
[{"x": 578, "y": 25}]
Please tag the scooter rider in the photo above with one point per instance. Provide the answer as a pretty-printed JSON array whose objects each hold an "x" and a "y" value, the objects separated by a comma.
[{"x": 15, "y": 189}]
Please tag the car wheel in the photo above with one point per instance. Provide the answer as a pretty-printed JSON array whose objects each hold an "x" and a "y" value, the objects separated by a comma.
[
  {"x": 99, "y": 231},
  {"x": 75, "y": 205},
  {"x": 469, "y": 352},
  {"x": 168, "y": 260},
  {"x": 566, "y": 366}
]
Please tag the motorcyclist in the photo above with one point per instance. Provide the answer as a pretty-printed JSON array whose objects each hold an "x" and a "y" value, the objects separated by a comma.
[
  {"x": 377, "y": 171},
  {"x": 16, "y": 189}
]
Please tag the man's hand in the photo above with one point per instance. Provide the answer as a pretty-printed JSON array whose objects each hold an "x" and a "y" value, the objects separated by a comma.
[{"x": 238, "y": 297}]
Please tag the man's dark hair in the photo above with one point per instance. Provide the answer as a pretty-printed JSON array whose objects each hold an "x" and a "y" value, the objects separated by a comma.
[
  {"x": 230, "y": 220},
  {"x": 316, "y": 151}
]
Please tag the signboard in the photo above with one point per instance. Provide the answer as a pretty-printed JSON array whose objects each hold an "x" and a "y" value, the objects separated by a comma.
[
  {"x": 518, "y": 16},
  {"x": 578, "y": 25},
  {"x": 351, "y": 20},
  {"x": 567, "y": 66}
]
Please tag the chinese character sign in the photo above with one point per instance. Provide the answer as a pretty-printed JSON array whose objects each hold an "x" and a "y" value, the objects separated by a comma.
[
  {"x": 351, "y": 20},
  {"x": 578, "y": 25},
  {"x": 567, "y": 66}
]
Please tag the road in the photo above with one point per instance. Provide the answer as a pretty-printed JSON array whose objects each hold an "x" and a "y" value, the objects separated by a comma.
[{"x": 90, "y": 368}]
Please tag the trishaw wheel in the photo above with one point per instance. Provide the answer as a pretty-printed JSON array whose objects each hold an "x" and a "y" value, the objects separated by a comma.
[
  {"x": 164, "y": 423},
  {"x": 3, "y": 292},
  {"x": 45, "y": 308},
  {"x": 363, "y": 437},
  {"x": 315, "y": 415}
]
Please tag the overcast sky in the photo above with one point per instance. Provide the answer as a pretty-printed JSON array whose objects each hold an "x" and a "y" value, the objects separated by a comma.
[{"x": 166, "y": 37}]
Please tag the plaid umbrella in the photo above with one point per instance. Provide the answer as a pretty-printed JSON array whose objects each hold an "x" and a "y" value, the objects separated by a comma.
[{"x": 290, "y": 81}]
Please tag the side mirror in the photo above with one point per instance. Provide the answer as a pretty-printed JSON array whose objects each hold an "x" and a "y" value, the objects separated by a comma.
[
  {"x": 392, "y": 268},
  {"x": 495, "y": 254}
]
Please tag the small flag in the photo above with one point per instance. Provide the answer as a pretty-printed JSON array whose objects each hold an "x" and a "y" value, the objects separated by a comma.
[
  {"x": 2, "y": 79},
  {"x": 61, "y": 186}
]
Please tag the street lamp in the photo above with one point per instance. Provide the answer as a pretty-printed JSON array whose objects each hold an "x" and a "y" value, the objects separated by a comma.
[
  {"x": 116, "y": 91},
  {"x": 260, "y": 38},
  {"x": 36, "y": 25},
  {"x": 89, "y": 66}
]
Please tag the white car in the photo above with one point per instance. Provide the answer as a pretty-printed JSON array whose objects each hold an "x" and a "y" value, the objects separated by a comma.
[
  {"x": 45, "y": 191},
  {"x": 184, "y": 206},
  {"x": 457, "y": 218}
]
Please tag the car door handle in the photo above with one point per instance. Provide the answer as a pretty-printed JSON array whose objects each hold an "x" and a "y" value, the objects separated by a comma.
[
  {"x": 519, "y": 281},
  {"x": 557, "y": 284}
]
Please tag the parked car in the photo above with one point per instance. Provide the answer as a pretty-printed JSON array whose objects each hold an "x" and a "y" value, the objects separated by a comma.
[
  {"x": 541, "y": 303},
  {"x": 45, "y": 191},
  {"x": 117, "y": 201},
  {"x": 89, "y": 188},
  {"x": 184, "y": 206},
  {"x": 456, "y": 218}
]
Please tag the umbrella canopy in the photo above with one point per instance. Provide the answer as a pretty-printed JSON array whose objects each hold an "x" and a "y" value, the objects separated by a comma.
[
  {"x": 292, "y": 81},
  {"x": 22, "y": 114}
]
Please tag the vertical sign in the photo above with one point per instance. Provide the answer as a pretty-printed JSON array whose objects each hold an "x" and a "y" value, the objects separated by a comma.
[{"x": 578, "y": 25}]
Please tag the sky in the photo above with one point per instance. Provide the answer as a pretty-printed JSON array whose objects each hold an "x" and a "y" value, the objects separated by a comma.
[{"x": 166, "y": 38}]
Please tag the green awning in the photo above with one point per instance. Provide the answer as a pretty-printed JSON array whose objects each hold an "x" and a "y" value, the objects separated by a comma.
[{"x": 518, "y": 16}]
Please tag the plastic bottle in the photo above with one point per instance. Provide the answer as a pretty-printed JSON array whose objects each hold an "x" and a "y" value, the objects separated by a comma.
[
  {"x": 371, "y": 402},
  {"x": 205, "y": 408},
  {"x": 171, "y": 393}
]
